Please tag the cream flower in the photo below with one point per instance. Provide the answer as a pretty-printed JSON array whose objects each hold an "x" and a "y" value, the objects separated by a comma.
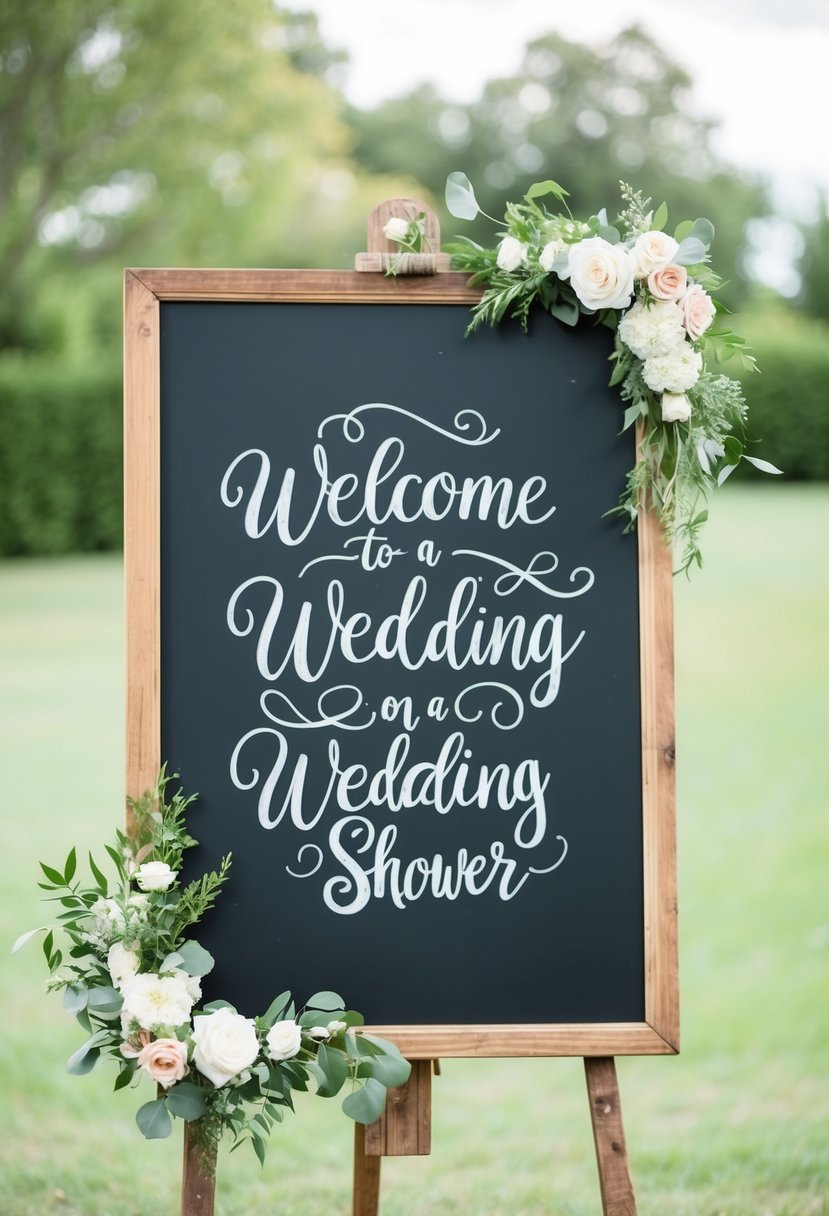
[
  {"x": 674, "y": 372},
  {"x": 652, "y": 251},
  {"x": 675, "y": 407},
  {"x": 550, "y": 253},
  {"x": 396, "y": 229},
  {"x": 155, "y": 876},
  {"x": 156, "y": 1000},
  {"x": 698, "y": 311},
  {"x": 600, "y": 274},
  {"x": 511, "y": 253},
  {"x": 652, "y": 329},
  {"x": 122, "y": 962},
  {"x": 284, "y": 1040},
  {"x": 165, "y": 1060},
  {"x": 669, "y": 283},
  {"x": 226, "y": 1044}
]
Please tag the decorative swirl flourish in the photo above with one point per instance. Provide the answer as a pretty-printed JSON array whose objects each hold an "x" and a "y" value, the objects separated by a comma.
[
  {"x": 325, "y": 718},
  {"x": 310, "y": 873},
  {"x": 556, "y": 864},
  {"x": 354, "y": 430},
  {"x": 518, "y": 705},
  {"x": 505, "y": 584}
]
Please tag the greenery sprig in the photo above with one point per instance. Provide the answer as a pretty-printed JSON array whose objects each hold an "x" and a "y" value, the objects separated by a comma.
[
  {"x": 130, "y": 974},
  {"x": 655, "y": 291}
]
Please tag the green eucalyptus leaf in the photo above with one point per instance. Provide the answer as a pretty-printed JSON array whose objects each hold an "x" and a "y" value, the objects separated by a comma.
[
  {"x": 327, "y": 1001},
  {"x": 682, "y": 230},
  {"x": 460, "y": 197},
  {"x": 390, "y": 1070},
  {"x": 104, "y": 1000},
  {"x": 366, "y": 1105},
  {"x": 259, "y": 1149},
  {"x": 566, "y": 311},
  {"x": 153, "y": 1120},
  {"x": 334, "y": 1068},
  {"x": 275, "y": 1010},
  {"x": 86, "y": 1057},
  {"x": 691, "y": 250},
  {"x": 195, "y": 960},
  {"x": 186, "y": 1101},
  {"x": 703, "y": 230},
  {"x": 75, "y": 997},
  {"x": 660, "y": 217}
]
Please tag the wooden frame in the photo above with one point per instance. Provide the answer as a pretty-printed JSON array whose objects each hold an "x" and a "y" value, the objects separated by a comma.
[{"x": 658, "y": 1034}]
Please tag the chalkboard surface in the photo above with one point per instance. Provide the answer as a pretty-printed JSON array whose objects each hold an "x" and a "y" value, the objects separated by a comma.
[{"x": 400, "y": 659}]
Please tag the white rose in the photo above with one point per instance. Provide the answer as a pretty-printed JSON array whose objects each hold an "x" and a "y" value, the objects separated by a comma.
[
  {"x": 652, "y": 251},
  {"x": 191, "y": 983},
  {"x": 601, "y": 274},
  {"x": 122, "y": 963},
  {"x": 335, "y": 1028},
  {"x": 511, "y": 253},
  {"x": 675, "y": 407},
  {"x": 156, "y": 1000},
  {"x": 652, "y": 329},
  {"x": 284, "y": 1040},
  {"x": 155, "y": 876},
  {"x": 674, "y": 372},
  {"x": 396, "y": 229},
  {"x": 225, "y": 1045},
  {"x": 550, "y": 253},
  {"x": 317, "y": 1032}
]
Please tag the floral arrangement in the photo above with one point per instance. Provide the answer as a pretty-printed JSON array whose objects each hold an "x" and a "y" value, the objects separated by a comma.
[
  {"x": 130, "y": 972},
  {"x": 409, "y": 234},
  {"x": 656, "y": 291}
]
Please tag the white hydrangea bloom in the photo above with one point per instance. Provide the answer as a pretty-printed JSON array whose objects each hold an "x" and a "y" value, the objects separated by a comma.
[
  {"x": 653, "y": 330},
  {"x": 156, "y": 1000},
  {"x": 674, "y": 372}
]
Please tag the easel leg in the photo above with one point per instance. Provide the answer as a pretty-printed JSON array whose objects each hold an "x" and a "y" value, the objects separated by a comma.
[
  {"x": 609, "y": 1137},
  {"x": 366, "y": 1176},
  {"x": 198, "y": 1180}
]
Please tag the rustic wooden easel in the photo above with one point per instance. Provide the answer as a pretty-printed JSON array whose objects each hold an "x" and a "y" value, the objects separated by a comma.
[
  {"x": 405, "y": 1130},
  {"x": 405, "y": 1127}
]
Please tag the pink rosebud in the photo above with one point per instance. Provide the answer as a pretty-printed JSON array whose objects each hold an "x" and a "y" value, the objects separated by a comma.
[
  {"x": 165, "y": 1060},
  {"x": 668, "y": 283},
  {"x": 697, "y": 311}
]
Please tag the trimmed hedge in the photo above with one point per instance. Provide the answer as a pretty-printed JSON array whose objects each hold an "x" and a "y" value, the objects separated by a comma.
[
  {"x": 789, "y": 399},
  {"x": 60, "y": 456}
]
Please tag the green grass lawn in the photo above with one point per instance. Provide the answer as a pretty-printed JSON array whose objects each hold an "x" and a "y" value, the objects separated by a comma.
[{"x": 738, "y": 1125}]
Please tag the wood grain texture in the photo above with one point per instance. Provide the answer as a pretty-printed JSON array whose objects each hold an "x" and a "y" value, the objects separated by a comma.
[
  {"x": 198, "y": 1180},
  {"x": 609, "y": 1138},
  {"x": 658, "y": 781},
  {"x": 366, "y": 1195},
  {"x": 141, "y": 534},
  {"x": 524, "y": 1040},
  {"x": 405, "y": 1127},
  {"x": 307, "y": 286}
]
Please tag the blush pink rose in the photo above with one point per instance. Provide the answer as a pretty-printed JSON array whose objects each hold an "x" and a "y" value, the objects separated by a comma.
[
  {"x": 165, "y": 1060},
  {"x": 697, "y": 311},
  {"x": 668, "y": 283}
]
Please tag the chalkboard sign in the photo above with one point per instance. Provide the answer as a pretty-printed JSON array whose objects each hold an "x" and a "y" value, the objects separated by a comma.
[{"x": 422, "y": 687}]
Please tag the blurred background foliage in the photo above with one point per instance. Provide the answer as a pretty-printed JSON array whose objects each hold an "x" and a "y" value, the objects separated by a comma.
[{"x": 148, "y": 133}]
